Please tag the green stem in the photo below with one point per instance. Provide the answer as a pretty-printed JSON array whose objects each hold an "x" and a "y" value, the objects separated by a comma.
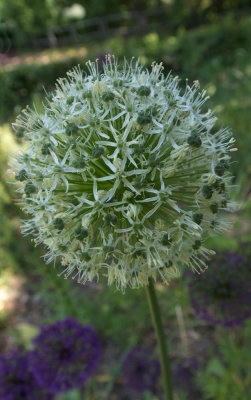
[{"x": 162, "y": 344}]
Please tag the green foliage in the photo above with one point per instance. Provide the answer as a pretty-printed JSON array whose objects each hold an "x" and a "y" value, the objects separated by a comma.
[
  {"x": 23, "y": 18},
  {"x": 227, "y": 377},
  {"x": 20, "y": 85}
]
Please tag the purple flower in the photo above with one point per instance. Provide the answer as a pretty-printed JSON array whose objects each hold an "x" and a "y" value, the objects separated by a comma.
[
  {"x": 17, "y": 381},
  {"x": 140, "y": 370},
  {"x": 222, "y": 294},
  {"x": 184, "y": 377},
  {"x": 65, "y": 356}
]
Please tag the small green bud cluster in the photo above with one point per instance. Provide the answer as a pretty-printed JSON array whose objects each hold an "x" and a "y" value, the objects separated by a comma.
[
  {"x": 194, "y": 140},
  {"x": 123, "y": 176},
  {"x": 221, "y": 167},
  {"x": 108, "y": 96},
  {"x": 81, "y": 233},
  {"x": 22, "y": 175}
]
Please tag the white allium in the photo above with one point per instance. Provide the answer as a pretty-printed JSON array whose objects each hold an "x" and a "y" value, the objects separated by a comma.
[{"x": 125, "y": 174}]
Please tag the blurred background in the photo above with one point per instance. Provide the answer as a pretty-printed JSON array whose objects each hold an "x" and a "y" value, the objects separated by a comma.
[{"x": 205, "y": 40}]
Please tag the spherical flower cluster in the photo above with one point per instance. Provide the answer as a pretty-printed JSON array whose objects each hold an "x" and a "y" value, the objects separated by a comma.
[
  {"x": 17, "y": 381},
  {"x": 125, "y": 174},
  {"x": 222, "y": 296},
  {"x": 140, "y": 370},
  {"x": 66, "y": 354}
]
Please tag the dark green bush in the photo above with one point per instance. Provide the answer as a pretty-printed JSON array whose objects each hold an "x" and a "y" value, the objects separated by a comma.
[{"x": 19, "y": 85}]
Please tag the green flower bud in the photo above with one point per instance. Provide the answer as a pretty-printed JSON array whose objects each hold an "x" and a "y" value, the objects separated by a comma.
[
  {"x": 143, "y": 91},
  {"x": 196, "y": 244},
  {"x": 22, "y": 175},
  {"x": 81, "y": 233},
  {"x": 86, "y": 257},
  {"x": 207, "y": 191},
  {"x": 197, "y": 218},
  {"x": 214, "y": 130},
  {"x": 29, "y": 188},
  {"x": 221, "y": 167},
  {"x": 144, "y": 118},
  {"x": 166, "y": 240},
  {"x": 194, "y": 140},
  {"x": 75, "y": 202},
  {"x": 58, "y": 224},
  {"x": 108, "y": 96}
]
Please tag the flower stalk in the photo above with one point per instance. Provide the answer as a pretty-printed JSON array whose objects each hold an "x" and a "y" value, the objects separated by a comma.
[{"x": 162, "y": 343}]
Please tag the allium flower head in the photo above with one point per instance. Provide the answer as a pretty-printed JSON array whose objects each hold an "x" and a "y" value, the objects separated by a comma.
[
  {"x": 124, "y": 175},
  {"x": 222, "y": 296},
  {"x": 65, "y": 356},
  {"x": 17, "y": 381},
  {"x": 140, "y": 370}
]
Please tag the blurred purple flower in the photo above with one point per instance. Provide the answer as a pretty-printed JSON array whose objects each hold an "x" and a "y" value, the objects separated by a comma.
[
  {"x": 140, "y": 370},
  {"x": 222, "y": 294},
  {"x": 184, "y": 377},
  {"x": 65, "y": 356},
  {"x": 17, "y": 381}
]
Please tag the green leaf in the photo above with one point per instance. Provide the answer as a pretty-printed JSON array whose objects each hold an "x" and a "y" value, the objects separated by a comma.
[{"x": 216, "y": 368}]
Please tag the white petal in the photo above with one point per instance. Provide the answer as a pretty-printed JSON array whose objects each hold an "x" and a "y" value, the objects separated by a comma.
[
  {"x": 109, "y": 164},
  {"x": 106, "y": 178},
  {"x": 136, "y": 172},
  {"x": 54, "y": 156},
  {"x": 95, "y": 190},
  {"x": 54, "y": 141},
  {"x": 106, "y": 143}
]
